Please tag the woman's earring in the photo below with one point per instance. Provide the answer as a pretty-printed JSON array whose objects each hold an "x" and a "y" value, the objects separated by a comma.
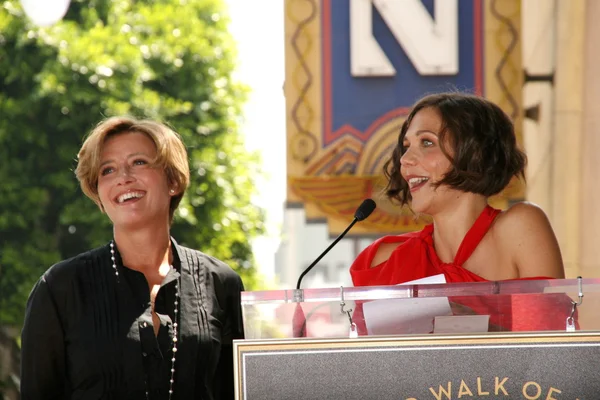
[{"x": 172, "y": 191}]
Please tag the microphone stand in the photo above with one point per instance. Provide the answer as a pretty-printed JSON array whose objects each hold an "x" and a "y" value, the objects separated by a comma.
[
  {"x": 311, "y": 266},
  {"x": 299, "y": 320}
]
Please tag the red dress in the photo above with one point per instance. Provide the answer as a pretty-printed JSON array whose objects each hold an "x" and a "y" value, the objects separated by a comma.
[{"x": 415, "y": 258}]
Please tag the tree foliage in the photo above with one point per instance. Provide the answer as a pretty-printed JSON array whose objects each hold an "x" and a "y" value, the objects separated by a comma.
[{"x": 170, "y": 60}]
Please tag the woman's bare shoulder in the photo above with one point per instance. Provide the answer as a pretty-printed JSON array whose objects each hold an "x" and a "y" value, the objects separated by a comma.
[
  {"x": 388, "y": 245},
  {"x": 523, "y": 215},
  {"x": 525, "y": 232},
  {"x": 383, "y": 253}
]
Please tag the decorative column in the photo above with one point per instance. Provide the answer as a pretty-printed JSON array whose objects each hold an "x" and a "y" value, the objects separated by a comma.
[
  {"x": 566, "y": 191},
  {"x": 590, "y": 160},
  {"x": 539, "y": 36}
]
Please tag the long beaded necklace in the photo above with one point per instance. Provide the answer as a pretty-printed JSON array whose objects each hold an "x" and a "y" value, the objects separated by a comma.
[{"x": 175, "y": 312}]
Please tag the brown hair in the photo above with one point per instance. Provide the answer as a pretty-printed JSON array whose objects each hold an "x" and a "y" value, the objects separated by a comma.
[
  {"x": 171, "y": 155},
  {"x": 483, "y": 142}
]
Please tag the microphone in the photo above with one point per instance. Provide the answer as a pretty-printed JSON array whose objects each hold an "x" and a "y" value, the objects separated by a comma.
[
  {"x": 299, "y": 319},
  {"x": 362, "y": 213}
]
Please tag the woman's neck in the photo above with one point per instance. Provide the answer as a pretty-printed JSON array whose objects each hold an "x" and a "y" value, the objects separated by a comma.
[
  {"x": 452, "y": 224},
  {"x": 145, "y": 250}
]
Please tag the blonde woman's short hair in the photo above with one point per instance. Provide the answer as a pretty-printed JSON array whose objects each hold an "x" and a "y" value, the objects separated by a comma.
[{"x": 171, "y": 155}]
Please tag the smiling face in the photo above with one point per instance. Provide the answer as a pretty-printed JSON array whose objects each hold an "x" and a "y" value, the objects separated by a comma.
[
  {"x": 423, "y": 162},
  {"x": 132, "y": 191}
]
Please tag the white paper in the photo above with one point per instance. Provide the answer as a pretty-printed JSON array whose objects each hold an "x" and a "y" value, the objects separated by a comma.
[
  {"x": 461, "y": 324},
  {"x": 406, "y": 316},
  {"x": 440, "y": 278}
]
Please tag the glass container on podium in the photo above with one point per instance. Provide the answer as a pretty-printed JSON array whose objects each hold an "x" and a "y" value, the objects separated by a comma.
[{"x": 518, "y": 339}]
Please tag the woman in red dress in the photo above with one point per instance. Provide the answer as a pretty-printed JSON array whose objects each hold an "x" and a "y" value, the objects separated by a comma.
[{"x": 455, "y": 151}]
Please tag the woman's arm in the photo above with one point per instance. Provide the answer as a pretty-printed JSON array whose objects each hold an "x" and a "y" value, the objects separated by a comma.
[
  {"x": 531, "y": 241},
  {"x": 43, "y": 369}
]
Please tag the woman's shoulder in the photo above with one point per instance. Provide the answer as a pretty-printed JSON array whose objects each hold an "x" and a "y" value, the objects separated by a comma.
[
  {"x": 205, "y": 263},
  {"x": 60, "y": 276},
  {"x": 524, "y": 232},
  {"x": 70, "y": 266},
  {"x": 522, "y": 214},
  {"x": 380, "y": 250},
  {"x": 371, "y": 267}
]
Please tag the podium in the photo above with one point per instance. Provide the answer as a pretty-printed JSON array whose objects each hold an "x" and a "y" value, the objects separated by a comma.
[{"x": 522, "y": 339}]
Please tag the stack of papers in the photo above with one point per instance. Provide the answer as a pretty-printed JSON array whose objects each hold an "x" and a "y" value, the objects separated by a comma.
[{"x": 419, "y": 315}]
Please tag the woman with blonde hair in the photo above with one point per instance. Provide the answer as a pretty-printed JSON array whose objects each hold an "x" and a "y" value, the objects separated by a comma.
[{"x": 141, "y": 317}]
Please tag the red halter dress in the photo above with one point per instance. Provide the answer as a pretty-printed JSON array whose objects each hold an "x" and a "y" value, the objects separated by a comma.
[{"x": 415, "y": 258}]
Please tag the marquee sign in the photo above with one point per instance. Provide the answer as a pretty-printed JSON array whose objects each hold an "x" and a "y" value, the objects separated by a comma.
[{"x": 353, "y": 70}]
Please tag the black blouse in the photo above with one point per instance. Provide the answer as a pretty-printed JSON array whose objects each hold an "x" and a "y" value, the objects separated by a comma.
[{"x": 88, "y": 334}]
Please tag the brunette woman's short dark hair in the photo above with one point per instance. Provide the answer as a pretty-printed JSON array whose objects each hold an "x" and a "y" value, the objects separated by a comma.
[{"x": 485, "y": 155}]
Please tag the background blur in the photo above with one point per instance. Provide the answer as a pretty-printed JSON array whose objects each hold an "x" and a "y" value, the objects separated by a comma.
[{"x": 289, "y": 108}]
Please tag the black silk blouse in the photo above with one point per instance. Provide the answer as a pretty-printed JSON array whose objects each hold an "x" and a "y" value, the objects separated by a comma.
[{"x": 88, "y": 334}]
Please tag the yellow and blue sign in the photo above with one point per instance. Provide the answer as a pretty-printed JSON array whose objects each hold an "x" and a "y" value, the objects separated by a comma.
[{"x": 353, "y": 70}]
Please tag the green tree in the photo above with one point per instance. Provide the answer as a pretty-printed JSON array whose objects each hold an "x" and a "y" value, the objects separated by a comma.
[{"x": 166, "y": 59}]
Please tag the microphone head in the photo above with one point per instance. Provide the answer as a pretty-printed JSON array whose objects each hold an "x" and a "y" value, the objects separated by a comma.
[{"x": 365, "y": 209}]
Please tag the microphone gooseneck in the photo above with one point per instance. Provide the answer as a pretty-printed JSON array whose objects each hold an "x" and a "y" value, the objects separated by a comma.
[{"x": 362, "y": 213}]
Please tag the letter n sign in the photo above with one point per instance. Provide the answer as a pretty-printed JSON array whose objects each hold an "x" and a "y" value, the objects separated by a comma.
[
  {"x": 385, "y": 54},
  {"x": 429, "y": 41}
]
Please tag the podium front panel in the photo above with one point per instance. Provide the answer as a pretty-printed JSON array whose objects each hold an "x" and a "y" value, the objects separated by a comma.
[
  {"x": 510, "y": 365},
  {"x": 458, "y": 308}
]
